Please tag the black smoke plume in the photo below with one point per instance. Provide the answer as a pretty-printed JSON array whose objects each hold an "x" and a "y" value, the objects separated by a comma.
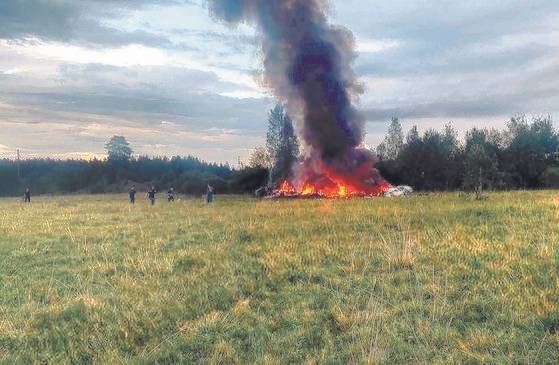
[{"x": 307, "y": 65}]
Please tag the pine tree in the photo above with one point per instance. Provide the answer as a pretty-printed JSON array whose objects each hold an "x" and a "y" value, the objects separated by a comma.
[
  {"x": 275, "y": 124},
  {"x": 288, "y": 152},
  {"x": 390, "y": 148}
]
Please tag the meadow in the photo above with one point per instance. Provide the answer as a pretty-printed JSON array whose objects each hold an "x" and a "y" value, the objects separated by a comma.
[{"x": 435, "y": 279}]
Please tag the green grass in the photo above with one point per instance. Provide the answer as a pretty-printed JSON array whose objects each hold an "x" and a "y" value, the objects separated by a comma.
[{"x": 427, "y": 279}]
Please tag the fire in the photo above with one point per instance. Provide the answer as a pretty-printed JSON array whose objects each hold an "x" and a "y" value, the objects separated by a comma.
[
  {"x": 342, "y": 193},
  {"x": 314, "y": 178},
  {"x": 328, "y": 188},
  {"x": 308, "y": 189},
  {"x": 286, "y": 187}
]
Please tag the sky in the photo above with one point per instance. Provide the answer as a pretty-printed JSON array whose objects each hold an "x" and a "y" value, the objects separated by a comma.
[{"x": 174, "y": 81}]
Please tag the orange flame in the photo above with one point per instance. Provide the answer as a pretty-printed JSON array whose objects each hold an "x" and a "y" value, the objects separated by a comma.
[
  {"x": 342, "y": 191},
  {"x": 328, "y": 188},
  {"x": 308, "y": 189},
  {"x": 362, "y": 181},
  {"x": 286, "y": 187}
]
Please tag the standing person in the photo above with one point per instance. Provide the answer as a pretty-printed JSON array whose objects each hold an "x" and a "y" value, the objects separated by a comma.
[
  {"x": 151, "y": 195},
  {"x": 210, "y": 194},
  {"x": 171, "y": 195},
  {"x": 27, "y": 195},
  {"x": 132, "y": 195}
]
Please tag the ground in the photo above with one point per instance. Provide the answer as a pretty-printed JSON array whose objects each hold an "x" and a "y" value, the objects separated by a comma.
[{"x": 441, "y": 278}]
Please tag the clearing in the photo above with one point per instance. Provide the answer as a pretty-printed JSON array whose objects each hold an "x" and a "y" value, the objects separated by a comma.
[{"x": 426, "y": 279}]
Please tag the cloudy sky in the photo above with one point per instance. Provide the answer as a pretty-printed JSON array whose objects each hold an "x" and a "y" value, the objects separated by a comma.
[{"x": 173, "y": 81}]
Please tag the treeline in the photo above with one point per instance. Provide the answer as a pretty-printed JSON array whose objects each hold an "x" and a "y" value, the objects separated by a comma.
[
  {"x": 523, "y": 156},
  {"x": 188, "y": 175}
]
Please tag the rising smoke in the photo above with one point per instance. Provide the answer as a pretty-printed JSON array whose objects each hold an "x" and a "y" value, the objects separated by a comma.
[{"x": 307, "y": 65}]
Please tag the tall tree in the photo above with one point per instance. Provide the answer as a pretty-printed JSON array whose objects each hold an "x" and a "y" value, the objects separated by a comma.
[
  {"x": 390, "y": 148},
  {"x": 118, "y": 149},
  {"x": 281, "y": 143},
  {"x": 288, "y": 152},
  {"x": 413, "y": 135},
  {"x": 435, "y": 159},
  {"x": 481, "y": 164},
  {"x": 530, "y": 150},
  {"x": 276, "y": 119},
  {"x": 410, "y": 162},
  {"x": 453, "y": 151}
]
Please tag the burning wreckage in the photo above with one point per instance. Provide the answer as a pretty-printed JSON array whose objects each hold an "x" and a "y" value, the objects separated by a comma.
[
  {"x": 307, "y": 66},
  {"x": 287, "y": 191},
  {"x": 325, "y": 182},
  {"x": 327, "y": 189}
]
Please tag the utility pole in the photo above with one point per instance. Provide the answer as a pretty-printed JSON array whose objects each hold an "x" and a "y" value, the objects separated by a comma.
[{"x": 18, "y": 158}]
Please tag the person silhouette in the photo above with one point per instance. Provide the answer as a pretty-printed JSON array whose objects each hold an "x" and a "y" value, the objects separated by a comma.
[
  {"x": 151, "y": 195},
  {"x": 132, "y": 195},
  {"x": 171, "y": 195},
  {"x": 210, "y": 194}
]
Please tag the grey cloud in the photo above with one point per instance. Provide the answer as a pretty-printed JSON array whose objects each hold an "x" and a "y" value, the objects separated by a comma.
[
  {"x": 482, "y": 106},
  {"x": 83, "y": 22},
  {"x": 410, "y": 61},
  {"x": 189, "y": 98},
  {"x": 74, "y": 21},
  {"x": 192, "y": 112},
  {"x": 470, "y": 59},
  {"x": 231, "y": 43},
  {"x": 232, "y": 37},
  {"x": 442, "y": 36},
  {"x": 167, "y": 81},
  {"x": 231, "y": 66},
  {"x": 443, "y": 24}
]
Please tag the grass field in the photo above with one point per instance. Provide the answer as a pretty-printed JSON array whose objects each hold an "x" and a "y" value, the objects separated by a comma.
[{"x": 427, "y": 279}]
